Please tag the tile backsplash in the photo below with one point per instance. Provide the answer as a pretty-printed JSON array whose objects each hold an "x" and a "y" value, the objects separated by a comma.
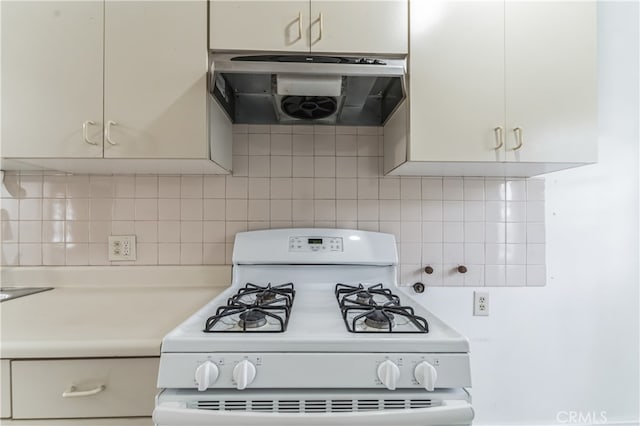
[{"x": 284, "y": 176}]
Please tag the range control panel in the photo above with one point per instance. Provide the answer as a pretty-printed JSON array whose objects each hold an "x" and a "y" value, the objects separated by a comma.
[{"x": 309, "y": 244}]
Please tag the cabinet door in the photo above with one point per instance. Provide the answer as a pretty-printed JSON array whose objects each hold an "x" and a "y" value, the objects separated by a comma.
[
  {"x": 259, "y": 25},
  {"x": 155, "y": 79},
  {"x": 359, "y": 27},
  {"x": 456, "y": 80},
  {"x": 551, "y": 81},
  {"x": 51, "y": 78}
]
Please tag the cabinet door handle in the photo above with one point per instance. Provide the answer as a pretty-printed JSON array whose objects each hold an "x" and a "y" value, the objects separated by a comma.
[
  {"x": 518, "y": 133},
  {"x": 299, "y": 26},
  {"x": 85, "y": 125},
  {"x": 499, "y": 139},
  {"x": 73, "y": 393},
  {"x": 321, "y": 27},
  {"x": 107, "y": 132}
]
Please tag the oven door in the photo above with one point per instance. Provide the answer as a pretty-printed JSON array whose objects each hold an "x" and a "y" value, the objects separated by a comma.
[{"x": 311, "y": 408}]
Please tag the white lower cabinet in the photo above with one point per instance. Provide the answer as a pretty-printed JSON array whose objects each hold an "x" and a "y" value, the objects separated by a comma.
[
  {"x": 5, "y": 389},
  {"x": 82, "y": 388}
]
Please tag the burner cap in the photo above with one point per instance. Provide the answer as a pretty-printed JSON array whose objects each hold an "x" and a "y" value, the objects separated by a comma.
[
  {"x": 377, "y": 319},
  {"x": 252, "y": 319},
  {"x": 265, "y": 297},
  {"x": 363, "y": 297}
]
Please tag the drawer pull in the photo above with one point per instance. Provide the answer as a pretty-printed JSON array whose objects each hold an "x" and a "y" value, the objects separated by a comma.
[{"x": 73, "y": 393}]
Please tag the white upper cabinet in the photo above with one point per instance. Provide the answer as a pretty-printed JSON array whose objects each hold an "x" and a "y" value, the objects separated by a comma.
[
  {"x": 499, "y": 88},
  {"x": 52, "y": 79},
  {"x": 316, "y": 26}
]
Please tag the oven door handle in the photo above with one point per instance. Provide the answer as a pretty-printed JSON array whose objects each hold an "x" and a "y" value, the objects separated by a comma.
[{"x": 454, "y": 412}]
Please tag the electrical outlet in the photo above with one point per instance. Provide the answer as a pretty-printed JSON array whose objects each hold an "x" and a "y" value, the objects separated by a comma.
[
  {"x": 480, "y": 303},
  {"x": 122, "y": 247}
]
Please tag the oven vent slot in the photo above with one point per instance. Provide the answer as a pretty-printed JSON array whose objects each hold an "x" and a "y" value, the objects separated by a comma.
[{"x": 316, "y": 405}]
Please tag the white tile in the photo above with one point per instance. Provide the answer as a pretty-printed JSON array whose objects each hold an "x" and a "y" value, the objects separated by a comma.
[
  {"x": 325, "y": 166},
  {"x": 191, "y": 187},
  {"x": 474, "y": 232},
  {"x": 389, "y": 210},
  {"x": 474, "y": 253},
  {"x": 30, "y": 254},
  {"x": 124, "y": 209},
  {"x": 279, "y": 224},
  {"x": 452, "y": 188},
  {"x": 321, "y": 129},
  {"x": 281, "y": 144},
  {"x": 53, "y": 254},
  {"x": 240, "y": 165},
  {"x": 392, "y": 228},
  {"x": 99, "y": 186},
  {"x": 474, "y": 211},
  {"x": 213, "y": 254},
  {"x": 146, "y": 186},
  {"x": 325, "y": 188},
  {"x": 191, "y": 253},
  {"x": 74, "y": 231},
  {"x": 535, "y": 189},
  {"x": 10, "y": 188},
  {"x": 240, "y": 144},
  {"x": 280, "y": 210},
  {"x": 368, "y": 210},
  {"x": 55, "y": 186},
  {"x": 302, "y": 188},
  {"x": 261, "y": 224},
  {"x": 169, "y": 187},
  {"x": 453, "y": 232},
  {"x": 536, "y": 254},
  {"x": 324, "y": 144},
  {"x": 431, "y": 188},
  {"x": 259, "y": 166},
  {"x": 31, "y": 209},
  {"x": 516, "y": 190},
  {"x": 516, "y": 211},
  {"x": 147, "y": 209},
  {"x": 123, "y": 227},
  {"x": 10, "y": 208},
  {"x": 346, "y": 188},
  {"x": 100, "y": 208},
  {"x": 495, "y": 211},
  {"x": 146, "y": 231},
  {"x": 77, "y": 254},
  {"x": 473, "y": 189},
  {"x": 516, "y": 275},
  {"x": 258, "y": 210},
  {"x": 259, "y": 188},
  {"x": 191, "y": 231},
  {"x": 147, "y": 254},
  {"x": 281, "y": 188},
  {"x": 214, "y": 209},
  {"x": 535, "y": 233},
  {"x": 410, "y": 274},
  {"x": 169, "y": 231},
  {"x": 432, "y": 232},
  {"x": 98, "y": 254},
  {"x": 303, "y": 210},
  {"x": 517, "y": 232},
  {"x": 451, "y": 277},
  {"x": 325, "y": 210},
  {"x": 453, "y": 253},
  {"x": 368, "y": 167},
  {"x": 214, "y": 231},
  {"x": 346, "y": 145},
  {"x": 495, "y": 232},
  {"x": 342, "y": 224},
  {"x": 232, "y": 228},
  {"x": 78, "y": 209},
  {"x": 410, "y": 188},
  {"x": 411, "y": 210},
  {"x": 302, "y": 145},
  {"x": 368, "y": 130},
  {"x": 410, "y": 232},
  {"x": 214, "y": 186},
  {"x": 169, "y": 254},
  {"x": 346, "y": 166},
  {"x": 236, "y": 210},
  {"x": 432, "y": 210},
  {"x": 535, "y": 211},
  {"x": 346, "y": 210},
  {"x": 474, "y": 276},
  {"x": 435, "y": 278},
  {"x": 495, "y": 189},
  {"x": 368, "y": 188},
  {"x": 9, "y": 230},
  {"x": 190, "y": 209},
  {"x": 536, "y": 275},
  {"x": 365, "y": 225},
  {"x": 30, "y": 231},
  {"x": 516, "y": 254},
  {"x": 410, "y": 253},
  {"x": 228, "y": 253},
  {"x": 168, "y": 209},
  {"x": 495, "y": 254},
  {"x": 259, "y": 128},
  {"x": 495, "y": 275},
  {"x": 453, "y": 210},
  {"x": 389, "y": 188},
  {"x": 259, "y": 144},
  {"x": 280, "y": 166},
  {"x": 367, "y": 145},
  {"x": 279, "y": 129},
  {"x": 54, "y": 208},
  {"x": 240, "y": 128},
  {"x": 236, "y": 187},
  {"x": 99, "y": 231},
  {"x": 432, "y": 254},
  {"x": 346, "y": 130},
  {"x": 303, "y": 167}
]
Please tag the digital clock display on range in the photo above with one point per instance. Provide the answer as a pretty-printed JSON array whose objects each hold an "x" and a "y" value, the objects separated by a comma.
[{"x": 315, "y": 240}]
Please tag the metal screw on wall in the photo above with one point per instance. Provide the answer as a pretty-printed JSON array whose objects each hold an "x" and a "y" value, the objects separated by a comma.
[
  {"x": 428, "y": 270},
  {"x": 462, "y": 269}
]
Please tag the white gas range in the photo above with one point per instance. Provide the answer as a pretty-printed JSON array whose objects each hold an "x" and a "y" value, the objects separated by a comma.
[{"x": 314, "y": 331}]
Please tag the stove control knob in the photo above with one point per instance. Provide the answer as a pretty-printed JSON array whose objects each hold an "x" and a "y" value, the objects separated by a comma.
[
  {"x": 206, "y": 375},
  {"x": 426, "y": 375},
  {"x": 243, "y": 374},
  {"x": 389, "y": 373}
]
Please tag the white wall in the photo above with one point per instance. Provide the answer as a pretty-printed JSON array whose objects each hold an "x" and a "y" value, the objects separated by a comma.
[{"x": 573, "y": 345}]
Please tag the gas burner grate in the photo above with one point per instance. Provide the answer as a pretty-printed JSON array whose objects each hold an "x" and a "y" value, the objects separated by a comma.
[
  {"x": 376, "y": 309},
  {"x": 254, "y": 309}
]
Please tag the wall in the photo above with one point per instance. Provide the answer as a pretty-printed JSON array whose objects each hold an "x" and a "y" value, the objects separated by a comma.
[
  {"x": 572, "y": 346},
  {"x": 284, "y": 176}
]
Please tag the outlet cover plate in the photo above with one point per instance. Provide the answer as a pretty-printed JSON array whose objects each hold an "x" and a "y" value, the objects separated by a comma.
[
  {"x": 480, "y": 303},
  {"x": 122, "y": 247}
]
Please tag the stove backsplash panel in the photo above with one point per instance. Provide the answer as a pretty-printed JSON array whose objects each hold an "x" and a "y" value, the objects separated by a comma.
[{"x": 284, "y": 176}]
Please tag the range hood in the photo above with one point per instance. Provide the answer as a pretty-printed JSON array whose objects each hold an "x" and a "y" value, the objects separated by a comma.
[{"x": 307, "y": 89}]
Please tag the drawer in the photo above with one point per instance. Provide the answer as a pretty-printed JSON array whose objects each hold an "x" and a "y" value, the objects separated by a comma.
[{"x": 102, "y": 387}]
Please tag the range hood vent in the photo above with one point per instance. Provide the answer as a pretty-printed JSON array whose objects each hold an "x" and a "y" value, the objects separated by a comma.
[{"x": 302, "y": 89}]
